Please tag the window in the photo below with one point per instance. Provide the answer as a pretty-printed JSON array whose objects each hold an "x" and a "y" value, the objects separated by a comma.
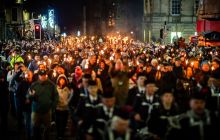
[{"x": 175, "y": 7}]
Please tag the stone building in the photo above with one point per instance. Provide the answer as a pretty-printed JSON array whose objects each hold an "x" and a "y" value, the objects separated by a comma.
[
  {"x": 11, "y": 21},
  {"x": 168, "y": 19}
]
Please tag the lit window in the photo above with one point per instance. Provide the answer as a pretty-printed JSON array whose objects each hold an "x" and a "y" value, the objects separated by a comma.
[{"x": 176, "y": 7}]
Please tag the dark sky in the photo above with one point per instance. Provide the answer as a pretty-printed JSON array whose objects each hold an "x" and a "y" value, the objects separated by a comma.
[{"x": 70, "y": 13}]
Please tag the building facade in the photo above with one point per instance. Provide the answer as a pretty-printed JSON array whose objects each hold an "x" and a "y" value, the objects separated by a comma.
[
  {"x": 14, "y": 19},
  {"x": 166, "y": 20},
  {"x": 17, "y": 19}
]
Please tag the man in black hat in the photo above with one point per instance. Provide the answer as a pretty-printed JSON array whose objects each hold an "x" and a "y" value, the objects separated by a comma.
[
  {"x": 105, "y": 113},
  {"x": 144, "y": 104},
  {"x": 108, "y": 109},
  {"x": 86, "y": 110},
  {"x": 159, "y": 120},
  {"x": 198, "y": 123},
  {"x": 139, "y": 89}
]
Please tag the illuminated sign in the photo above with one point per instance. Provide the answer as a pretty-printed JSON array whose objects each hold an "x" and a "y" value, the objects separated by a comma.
[
  {"x": 44, "y": 22},
  {"x": 51, "y": 18}
]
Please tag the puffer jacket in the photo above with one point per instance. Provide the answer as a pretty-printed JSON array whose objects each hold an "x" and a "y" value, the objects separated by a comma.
[{"x": 64, "y": 95}]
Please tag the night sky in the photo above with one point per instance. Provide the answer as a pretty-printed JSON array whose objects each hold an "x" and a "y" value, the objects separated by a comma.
[{"x": 70, "y": 12}]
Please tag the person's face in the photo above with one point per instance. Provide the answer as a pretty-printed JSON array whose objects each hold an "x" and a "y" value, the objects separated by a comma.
[
  {"x": 215, "y": 65},
  {"x": 140, "y": 80},
  {"x": 148, "y": 69},
  {"x": 37, "y": 58},
  {"x": 196, "y": 65},
  {"x": 29, "y": 76},
  {"x": 85, "y": 82},
  {"x": 205, "y": 67},
  {"x": 177, "y": 63},
  {"x": 102, "y": 65},
  {"x": 164, "y": 69},
  {"x": 76, "y": 53},
  {"x": 189, "y": 72},
  {"x": 62, "y": 81},
  {"x": 42, "y": 67},
  {"x": 60, "y": 70},
  {"x": 155, "y": 64},
  {"x": 93, "y": 90},
  {"x": 93, "y": 60},
  {"x": 167, "y": 98},
  {"x": 16, "y": 67},
  {"x": 169, "y": 68},
  {"x": 45, "y": 58},
  {"x": 109, "y": 102},
  {"x": 78, "y": 70},
  {"x": 56, "y": 58},
  {"x": 151, "y": 89},
  {"x": 43, "y": 77},
  {"x": 197, "y": 105}
]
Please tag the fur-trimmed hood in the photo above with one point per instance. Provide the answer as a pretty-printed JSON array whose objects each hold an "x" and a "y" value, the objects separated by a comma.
[{"x": 62, "y": 76}]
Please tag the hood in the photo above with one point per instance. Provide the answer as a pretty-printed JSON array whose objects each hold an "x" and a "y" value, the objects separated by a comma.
[
  {"x": 62, "y": 76},
  {"x": 78, "y": 70}
]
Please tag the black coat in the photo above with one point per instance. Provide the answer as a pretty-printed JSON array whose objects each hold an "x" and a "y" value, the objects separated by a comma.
[
  {"x": 22, "y": 92},
  {"x": 103, "y": 118},
  {"x": 144, "y": 108},
  {"x": 86, "y": 111},
  {"x": 4, "y": 97},
  {"x": 216, "y": 73},
  {"x": 132, "y": 93},
  {"x": 159, "y": 121},
  {"x": 102, "y": 122},
  {"x": 190, "y": 127}
]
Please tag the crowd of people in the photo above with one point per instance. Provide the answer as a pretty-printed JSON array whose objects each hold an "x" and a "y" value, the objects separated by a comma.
[{"x": 113, "y": 88}]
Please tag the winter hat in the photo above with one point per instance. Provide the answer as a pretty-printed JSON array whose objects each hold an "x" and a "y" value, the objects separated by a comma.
[{"x": 204, "y": 62}]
